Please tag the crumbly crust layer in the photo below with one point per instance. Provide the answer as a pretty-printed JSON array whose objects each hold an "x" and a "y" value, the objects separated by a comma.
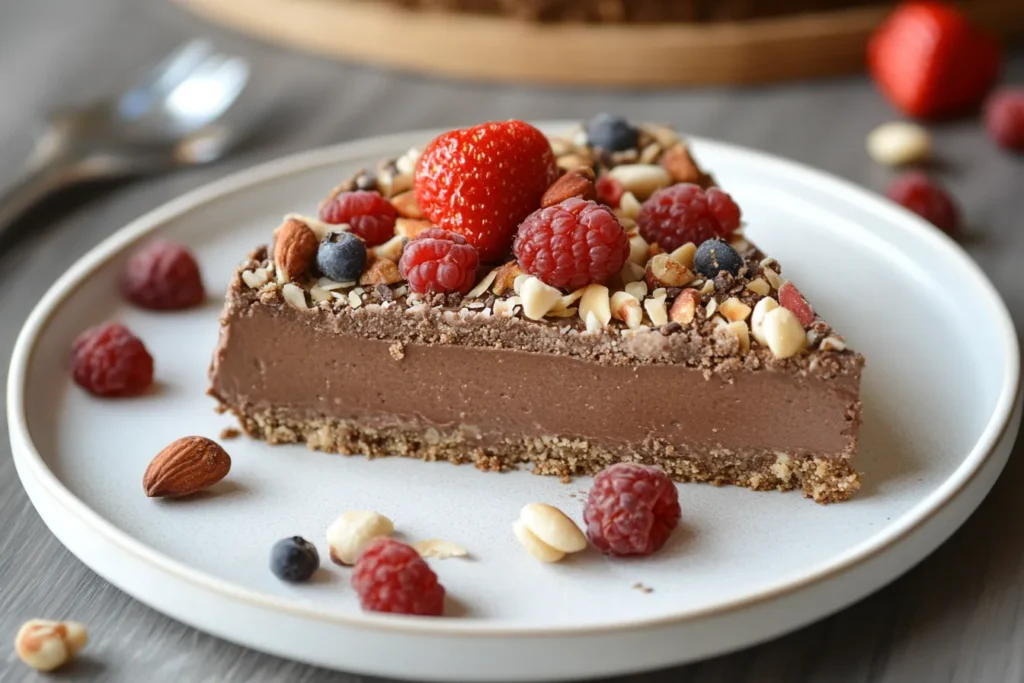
[{"x": 825, "y": 480}]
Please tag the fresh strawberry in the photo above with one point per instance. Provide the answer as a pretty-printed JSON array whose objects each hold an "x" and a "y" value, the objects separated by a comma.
[
  {"x": 481, "y": 182},
  {"x": 931, "y": 62}
]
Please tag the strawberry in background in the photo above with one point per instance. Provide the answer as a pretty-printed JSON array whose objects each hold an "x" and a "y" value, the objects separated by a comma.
[{"x": 931, "y": 62}]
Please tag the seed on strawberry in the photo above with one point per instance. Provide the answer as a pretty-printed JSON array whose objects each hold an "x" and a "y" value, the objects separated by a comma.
[
  {"x": 926, "y": 198},
  {"x": 439, "y": 261},
  {"x": 1004, "y": 119},
  {"x": 572, "y": 244},
  {"x": 108, "y": 360},
  {"x": 367, "y": 214},
  {"x": 162, "y": 276},
  {"x": 481, "y": 182}
]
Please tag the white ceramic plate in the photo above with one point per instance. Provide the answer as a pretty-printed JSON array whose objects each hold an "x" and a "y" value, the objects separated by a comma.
[{"x": 940, "y": 417}]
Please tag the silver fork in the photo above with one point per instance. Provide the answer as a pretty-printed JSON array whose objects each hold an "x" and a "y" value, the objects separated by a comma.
[{"x": 172, "y": 117}]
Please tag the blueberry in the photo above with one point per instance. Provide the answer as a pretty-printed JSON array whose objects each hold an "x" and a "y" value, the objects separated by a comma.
[
  {"x": 612, "y": 133},
  {"x": 341, "y": 256},
  {"x": 294, "y": 559},
  {"x": 714, "y": 256}
]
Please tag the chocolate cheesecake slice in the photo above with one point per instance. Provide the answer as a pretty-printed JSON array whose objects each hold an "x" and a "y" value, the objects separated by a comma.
[{"x": 708, "y": 377}]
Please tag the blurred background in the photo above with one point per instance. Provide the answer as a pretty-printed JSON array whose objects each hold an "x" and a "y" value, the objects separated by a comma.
[{"x": 773, "y": 76}]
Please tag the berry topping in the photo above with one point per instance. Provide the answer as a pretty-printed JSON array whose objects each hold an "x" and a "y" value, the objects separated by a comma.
[
  {"x": 341, "y": 256},
  {"x": 612, "y": 133},
  {"x": 930, "y": 62},
  {"x": 108, "y": 360},
  {"x": 1004, "y": 119},
  {"x": 714, "y": 256},
  {"x": 163, "y": 276},
  {"x": 481, "y": 182},
  {"x": 294, "y": 559},
  {"x": 791, "y": 298},
  {"x": 367, "y": 214},
  {"x": 685, "y": 213},
  {"x": 631, "y": 510},
  {"x": 390, "y": 576},
  {"x": 609, "y": 191},
  {"x": 439, "y": 261},
  {"x": 572, "y": 244},
  {"x": 926, "y": 198}
]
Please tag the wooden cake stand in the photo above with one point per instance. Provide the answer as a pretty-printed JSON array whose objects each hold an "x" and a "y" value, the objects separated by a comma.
[{"x": 639, "y": 55}]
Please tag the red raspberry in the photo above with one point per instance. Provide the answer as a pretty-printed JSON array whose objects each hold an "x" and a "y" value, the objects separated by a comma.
[
  {"x": 791, "y": 298},
  {"x": 572, "y": 244},
  {"x": 1004, "y": 119},
  {"x": 685, "y": 213},
  {"x": 926, "y": 198},
  {"x": 609, "y": 191},
  {"x": 392, "y": 577},
  {"x": 108, "y": 360},
  {"x": 631, "y": 510},
  {"x": 368, "y": 214},
  {"x": 162, "y": 275},
  {"x": 439, "y": 261},
  {"x": 481, "y": 182}
]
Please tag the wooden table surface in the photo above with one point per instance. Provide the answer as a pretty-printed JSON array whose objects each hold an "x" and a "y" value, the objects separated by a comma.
[{"x": 958, "y": 616}]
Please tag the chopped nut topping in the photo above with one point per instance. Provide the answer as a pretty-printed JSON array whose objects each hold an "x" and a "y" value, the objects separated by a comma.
[
  {"x": 381, "y": 272},
  {"x": 410, "y": 227},
  {"x": 353, "y": 299},
  {"x": 656, "y": 310},
  {"x": 626, "y": 307},
  {"x": 638, "y": 290},
  {"x": 505, "y": 277},
  {"x": 391, "y": 250},
  {"x": 538, "y": 298},
  {"x": 638, "y": 250},
  {"x": 759, "y": 286},
  {"x": 631, "y": 272},
  {"x": 596, "y": 301},
  {"x": 483, "y": 285},
  {"x": 711, "y": 308},
  {"x": 708, "y": 288},
  {"x": 684, "y": 255},
  {"x": 255, "y": 278},
  {"x": 783, "y": 333},
  {"x": 684, "y": 308},
  {"x": 773, "y": 278},
  {"x": 642, "y": 180},
  {"x": 294, "y": 295},
  {"x": 833, "y": 344},
  {"x": 629, "y": 206},
  {"x": 733, "y": 309},
  {"x": 662, "y": 271},
  {"x": 761, "y": 309}
]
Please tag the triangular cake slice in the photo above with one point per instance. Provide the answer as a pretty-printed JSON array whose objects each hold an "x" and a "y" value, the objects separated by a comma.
[{"x": 728, "y": 380}]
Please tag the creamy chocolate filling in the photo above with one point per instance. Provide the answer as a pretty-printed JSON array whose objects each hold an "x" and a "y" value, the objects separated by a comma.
[{"x": 271, "y": 358}]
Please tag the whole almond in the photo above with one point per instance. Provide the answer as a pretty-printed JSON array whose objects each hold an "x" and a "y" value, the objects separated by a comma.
[
  {"x": 576, "y": 183},
  {"x": 186, "y": 466},
  {"x": 295, "y": 248},
  {"x": 406, "y": 206},
  {"x": 680, "y": 165}
]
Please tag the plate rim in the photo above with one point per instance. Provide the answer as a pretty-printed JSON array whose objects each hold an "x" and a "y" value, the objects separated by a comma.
[{"x": 31, "y": 463}]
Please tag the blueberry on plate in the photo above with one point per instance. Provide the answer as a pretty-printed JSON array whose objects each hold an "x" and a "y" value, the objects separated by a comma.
[
  {"x": 714, "y": 256},
  {"x": 341, "y": 256},
  {"x": 612, "y": 133},
  {"x": 294, "y": 559}
]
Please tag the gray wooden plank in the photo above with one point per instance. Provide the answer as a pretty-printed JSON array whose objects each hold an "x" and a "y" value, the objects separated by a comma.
[{"x": 956, "y": 617}]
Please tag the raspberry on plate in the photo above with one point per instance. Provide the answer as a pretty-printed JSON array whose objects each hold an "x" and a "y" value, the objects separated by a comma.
[
  {"x": 481, "y": 182},
  {"x": 390, "y": 576},
  {"x": 108, "y": 360},
  {"x": 1004, "y": 119},
  {"x": 926, "y": 198},
  {"x": 631, "y": 510},
  {"x": 439, "y": 261},
  {"x": 685, "y": 213},
  {"x": 367, "y": 214},
  {"x": 572, "y": 244},
  {"x": 162, "y": 275}
]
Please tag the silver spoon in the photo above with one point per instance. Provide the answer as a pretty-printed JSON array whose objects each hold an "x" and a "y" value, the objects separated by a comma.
[{"x": 170, "y": 118}]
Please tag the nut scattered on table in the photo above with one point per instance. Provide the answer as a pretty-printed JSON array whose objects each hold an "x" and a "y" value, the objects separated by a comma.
[
  {"x": 353, "y": 531},
  {"x": 898, "y": 143},
  {"x": 547, "y": 533},
  {"x": 46, "y": 645},
  {"x": 186, "y": 466}
]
